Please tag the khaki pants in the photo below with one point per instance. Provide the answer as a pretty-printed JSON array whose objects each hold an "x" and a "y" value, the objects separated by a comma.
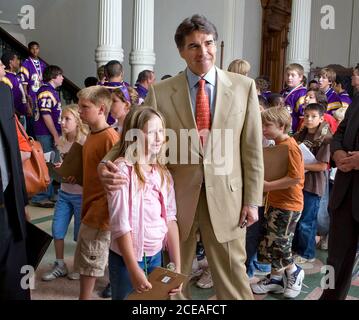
[{"x": 226, "y": 260}]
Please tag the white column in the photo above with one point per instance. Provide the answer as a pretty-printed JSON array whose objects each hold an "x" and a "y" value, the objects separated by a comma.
[
  {"x": 142, "y": 56},
  {"x": 299, "y": 34},
  {"x": 110, "y": 32}
]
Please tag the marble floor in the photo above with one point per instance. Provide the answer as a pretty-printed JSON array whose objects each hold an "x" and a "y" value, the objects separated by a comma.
[{"x": 65, "y": 289}]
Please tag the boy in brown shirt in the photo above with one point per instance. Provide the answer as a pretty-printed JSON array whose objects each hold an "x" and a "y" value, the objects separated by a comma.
[
  {"x": 285, "y": 203},
  {"x": 93, "y": 242},
  {"x": 316, "y": 136}
]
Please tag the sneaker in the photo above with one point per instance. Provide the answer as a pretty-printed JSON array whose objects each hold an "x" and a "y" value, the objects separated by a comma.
[
  {"x": 267, "y": 285},
  {"x": 302, "y": 260},
  {"x": 294, "y": 283},
  {"x": 323, "y": 243},
  {"x": 205, "y": 282},
  {"x": 56, "y": 272},
  {"x": 107, "y": 293},
  {"x": 73, "y": 276}
]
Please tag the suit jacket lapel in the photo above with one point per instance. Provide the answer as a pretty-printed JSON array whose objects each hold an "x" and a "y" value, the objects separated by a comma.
[
  {"x": 224, "y": 99},
  {"x": 182, "y": 102}
]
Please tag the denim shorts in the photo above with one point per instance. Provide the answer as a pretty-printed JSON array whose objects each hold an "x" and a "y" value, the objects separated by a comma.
[
  {"x": 67, "y": 205},
  {"x": 120, "y": 281}
]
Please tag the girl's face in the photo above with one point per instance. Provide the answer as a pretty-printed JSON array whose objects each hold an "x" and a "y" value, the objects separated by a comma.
[
  {"x": 119, "y": 109},
  {"x": 68, "y": 122},
  {"x": 310, "y": 98},
  {"x": 154, "y": 136}
]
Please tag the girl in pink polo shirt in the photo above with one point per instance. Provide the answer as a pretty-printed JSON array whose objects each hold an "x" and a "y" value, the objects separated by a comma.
[{"x": 143, "y": 211}]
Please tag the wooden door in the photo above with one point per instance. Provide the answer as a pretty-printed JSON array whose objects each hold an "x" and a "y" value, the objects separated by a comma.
[{"x": 275, "y": 27}]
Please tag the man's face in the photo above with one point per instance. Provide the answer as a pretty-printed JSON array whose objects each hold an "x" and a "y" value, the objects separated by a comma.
[
  {"x": 355, "y": 79},
  {"x": 34, "y": 51},
  {"x": 199, "y": 52},
  {"x": 151, "y": 79}
]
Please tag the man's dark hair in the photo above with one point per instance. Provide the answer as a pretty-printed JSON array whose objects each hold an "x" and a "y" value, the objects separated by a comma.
[
  {"x": 274, "y": 99},
  {"x": 315, "y": 107},
  {"x": 90, "y": 81},
  {"x": 113, "y": 68},
  {"x": 144, "y": 75},
  {"x": 312, "y": 81},
  {"x": 51, "y": 72},
  {"x": 7, "y": 57},
  {"x": 32, "y": 43},
  {"x": 195, "y": 23}
]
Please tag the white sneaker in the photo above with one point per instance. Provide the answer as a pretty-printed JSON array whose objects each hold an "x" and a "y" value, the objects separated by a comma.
[
  {"x": 73, "y": 276},
  {"x": 302, "y": 260},
  {"x": 267, "y": 285},
  {"x": 294, "y": 283},
  {"x": 57, "y": 271}
]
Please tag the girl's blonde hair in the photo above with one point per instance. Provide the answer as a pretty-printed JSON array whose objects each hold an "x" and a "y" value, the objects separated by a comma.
[
  {"x": 137, "y": 117},
  {"x": 81, "y": 129},
  {"x": 240, "y": 66}
]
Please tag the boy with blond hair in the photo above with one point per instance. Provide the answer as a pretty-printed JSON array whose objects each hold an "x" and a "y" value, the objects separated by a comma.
[
  {"x": 327, "y": 77},
  {"x": 93, "y": 244},
  {"x": 285, "y": 204},
  {"x": 295, "y": 92}
]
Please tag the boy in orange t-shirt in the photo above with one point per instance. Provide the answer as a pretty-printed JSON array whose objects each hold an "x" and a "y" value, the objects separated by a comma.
[
  {"x": 285, "y": 203},
  {"x": 93, "y": 241}
]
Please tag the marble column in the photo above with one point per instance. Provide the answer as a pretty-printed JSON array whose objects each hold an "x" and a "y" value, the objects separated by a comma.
[
  {"x": 142, "y": 55},
  {"x": 299, "y": 34},
  {"x": 110, "y": 32}
]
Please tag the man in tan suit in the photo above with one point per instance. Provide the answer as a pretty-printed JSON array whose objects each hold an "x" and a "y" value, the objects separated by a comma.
[{"x": 218, "y": 184}]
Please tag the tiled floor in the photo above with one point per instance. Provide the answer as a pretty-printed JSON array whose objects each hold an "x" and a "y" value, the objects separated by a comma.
[{"x": 65, "y": 289}]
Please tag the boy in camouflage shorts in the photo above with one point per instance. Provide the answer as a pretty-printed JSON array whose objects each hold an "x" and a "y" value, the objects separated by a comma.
[{"x": 285, "y": 204}]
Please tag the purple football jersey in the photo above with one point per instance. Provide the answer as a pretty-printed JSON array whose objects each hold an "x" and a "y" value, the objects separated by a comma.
[
  {"x": 345, "y": 99},
  {"x": 31, "y": 74},
  {"x": 294, "y": 99},
  {"x": 334, "y": 102},
  {"x": 14, "y": 82},
  {"x": 48, "y": 102}
]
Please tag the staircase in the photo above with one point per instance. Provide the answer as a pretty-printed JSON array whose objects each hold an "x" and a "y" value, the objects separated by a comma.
[{"x": 68, "y": 90}]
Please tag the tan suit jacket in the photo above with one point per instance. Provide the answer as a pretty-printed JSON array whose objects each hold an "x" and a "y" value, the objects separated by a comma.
[{"x": 236, "y": 109}]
